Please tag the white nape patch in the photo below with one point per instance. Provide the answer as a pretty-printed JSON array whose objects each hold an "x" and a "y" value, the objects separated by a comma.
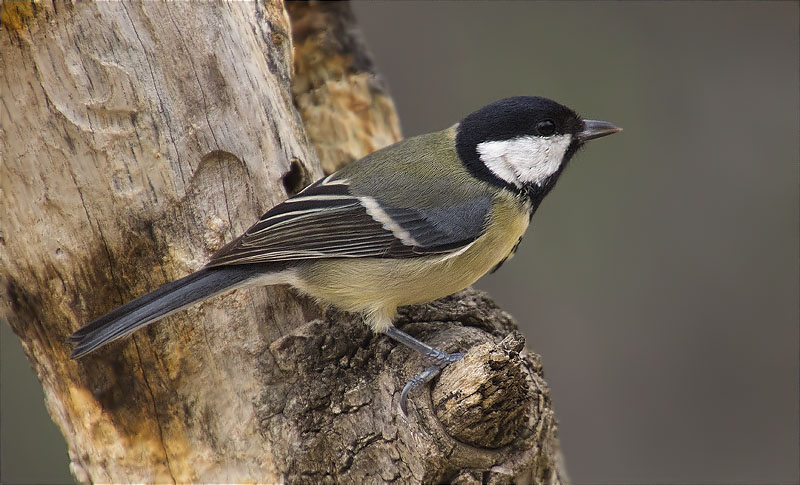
[
  {"x": 524, "y": 160},
  {"x": 374, "y": 210}
]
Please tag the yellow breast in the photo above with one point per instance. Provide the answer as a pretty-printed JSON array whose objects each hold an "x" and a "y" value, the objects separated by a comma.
[{"x": 376, "y": 287}]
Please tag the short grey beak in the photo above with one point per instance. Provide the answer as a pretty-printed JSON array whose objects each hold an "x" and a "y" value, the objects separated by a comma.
[{"x": 595, "y": 129}]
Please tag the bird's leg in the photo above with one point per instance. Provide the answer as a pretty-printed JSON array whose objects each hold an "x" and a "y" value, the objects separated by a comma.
[
  {"x": 440, "y": 359},
  {"x": 438, "y": 356}
]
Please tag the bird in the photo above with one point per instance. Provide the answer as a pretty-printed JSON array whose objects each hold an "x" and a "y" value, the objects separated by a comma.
[{"x": 410, "y": 223}]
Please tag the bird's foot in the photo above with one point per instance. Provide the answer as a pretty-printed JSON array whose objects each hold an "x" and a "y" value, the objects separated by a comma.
[
  {"x": 418, "y": 380},
  {"x": 440, "y": 360}
]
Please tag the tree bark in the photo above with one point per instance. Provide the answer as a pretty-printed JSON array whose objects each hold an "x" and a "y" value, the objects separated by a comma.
[{"x": 136, "y": 139}]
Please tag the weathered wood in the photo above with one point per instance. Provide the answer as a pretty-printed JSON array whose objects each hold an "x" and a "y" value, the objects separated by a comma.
[
  {"x": 338, "y": 387},
  {"x": 345, "y": 104},
  {"x": 135, "y": 140}
]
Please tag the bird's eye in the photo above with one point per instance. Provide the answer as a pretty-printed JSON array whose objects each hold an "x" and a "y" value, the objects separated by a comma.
[{"x": 546, "y": 127}]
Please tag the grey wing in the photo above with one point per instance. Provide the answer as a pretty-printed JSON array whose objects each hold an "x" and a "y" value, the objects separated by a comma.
[{"x": 326, "y": 221}]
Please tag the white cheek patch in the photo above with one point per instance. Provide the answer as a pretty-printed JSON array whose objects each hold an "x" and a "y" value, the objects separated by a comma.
[{"x": 525, "y": 160}]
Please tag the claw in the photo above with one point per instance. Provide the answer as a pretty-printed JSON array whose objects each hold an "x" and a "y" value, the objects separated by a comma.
[
  {"x": 424, "y": 377},
  {"x": 454, "y": 357},
  {"x": 440, "y": 361}
]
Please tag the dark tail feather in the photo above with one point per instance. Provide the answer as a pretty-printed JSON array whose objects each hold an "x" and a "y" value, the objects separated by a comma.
[{"x": 158, "y": 304}]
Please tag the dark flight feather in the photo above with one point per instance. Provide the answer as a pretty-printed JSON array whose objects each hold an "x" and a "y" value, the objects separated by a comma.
[{"x": 326, "y": 221}]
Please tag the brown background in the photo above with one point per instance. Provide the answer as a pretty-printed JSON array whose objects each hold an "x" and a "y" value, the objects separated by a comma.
[{"x": 660, "y": 279}]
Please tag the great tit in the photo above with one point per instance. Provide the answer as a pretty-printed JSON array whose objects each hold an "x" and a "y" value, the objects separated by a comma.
[{"x": 410, "y": 223}]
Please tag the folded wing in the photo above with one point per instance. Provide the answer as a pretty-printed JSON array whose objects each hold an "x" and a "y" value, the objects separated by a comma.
[{"x": 326, "y": 221}]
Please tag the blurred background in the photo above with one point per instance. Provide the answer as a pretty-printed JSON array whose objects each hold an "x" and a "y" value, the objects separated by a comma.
[{"x": 660, "y": 280}]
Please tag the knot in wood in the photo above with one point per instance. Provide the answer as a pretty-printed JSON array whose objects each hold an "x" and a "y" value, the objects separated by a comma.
[{"x": 485, "y": 399}]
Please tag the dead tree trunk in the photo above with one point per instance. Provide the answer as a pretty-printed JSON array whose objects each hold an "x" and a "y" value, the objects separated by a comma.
[{"x": 135, "y": 140}]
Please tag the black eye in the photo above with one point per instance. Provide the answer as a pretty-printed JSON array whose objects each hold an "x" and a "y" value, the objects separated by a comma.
[{"x": 546, "y": 127}]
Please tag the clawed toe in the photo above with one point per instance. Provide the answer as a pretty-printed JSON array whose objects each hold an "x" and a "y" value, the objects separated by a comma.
[
  {"x": 440, "y": 361},
  {"x": 418, "y": 380},
  {"x": 454, "y": 357}
]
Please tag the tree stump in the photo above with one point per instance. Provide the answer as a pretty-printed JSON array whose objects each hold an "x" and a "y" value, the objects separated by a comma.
[{"x": 135, "y": 140}]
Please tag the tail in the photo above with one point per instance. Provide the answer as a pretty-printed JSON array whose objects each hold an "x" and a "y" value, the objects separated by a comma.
[{"x": 159, "y": 303}]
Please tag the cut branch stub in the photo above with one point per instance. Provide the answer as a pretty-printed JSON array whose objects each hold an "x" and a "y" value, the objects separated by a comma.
[{"x": 485, "y": 399}]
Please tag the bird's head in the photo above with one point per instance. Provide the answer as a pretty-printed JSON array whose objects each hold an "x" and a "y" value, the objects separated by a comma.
[{"x": 523, "y": 143}]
